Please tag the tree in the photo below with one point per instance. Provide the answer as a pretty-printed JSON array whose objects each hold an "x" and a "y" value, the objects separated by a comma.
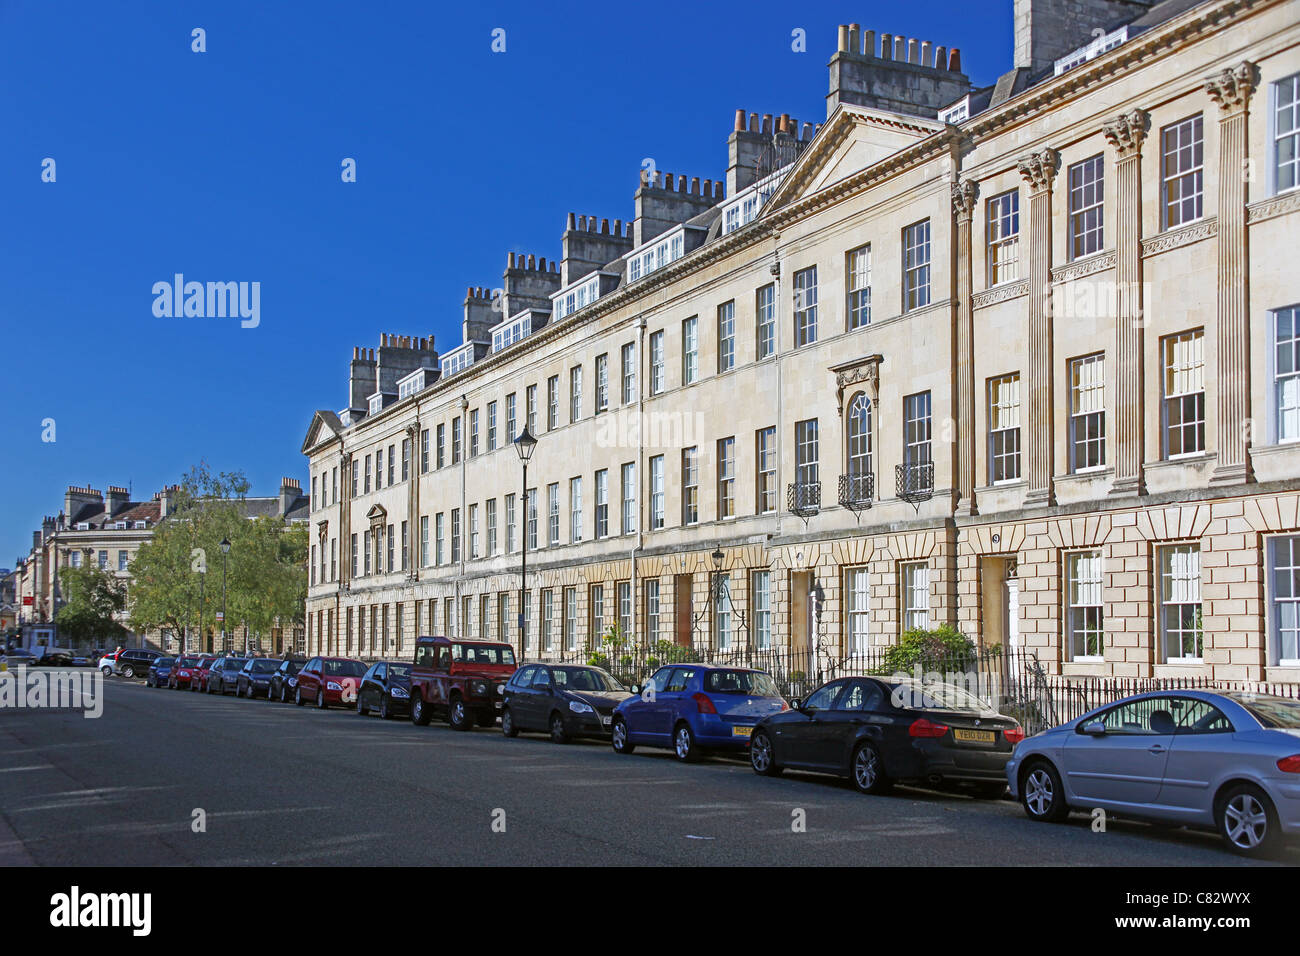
[
  {"x": 94, "y": 598},
  {"x": 266, "y": 578}
]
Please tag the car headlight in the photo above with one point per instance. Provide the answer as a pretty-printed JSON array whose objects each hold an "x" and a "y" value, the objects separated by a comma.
[
  {"x": 398, "y": 692},
  {"x": 501, "y": 688},
  {"x": 333, "y": 685},
  {"x": 578, "y": 707},
  {"x": 479, "y": 687}
]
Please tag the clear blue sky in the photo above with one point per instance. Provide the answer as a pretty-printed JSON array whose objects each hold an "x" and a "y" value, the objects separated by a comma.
[{"x": 225, "y": 166}]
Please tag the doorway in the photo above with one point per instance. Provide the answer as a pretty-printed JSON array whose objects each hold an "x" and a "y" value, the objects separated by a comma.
[{"x": 682, "y": 609}]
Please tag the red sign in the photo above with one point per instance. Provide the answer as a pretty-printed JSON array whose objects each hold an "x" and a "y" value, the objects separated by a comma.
[{"x": 28, "y": 600}]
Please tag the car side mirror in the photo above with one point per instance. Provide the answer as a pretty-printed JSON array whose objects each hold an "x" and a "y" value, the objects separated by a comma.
[
  {"x": 1095, "y": 728},
  {"x": 635, "y": 688},
  {"x": 796, "y": 703}
]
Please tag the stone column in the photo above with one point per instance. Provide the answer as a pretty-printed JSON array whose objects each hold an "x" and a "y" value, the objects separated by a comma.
[
  {"x": 1231, "y": 90},
  {"x": 1038, "y": 169},
  {"x": 1126, "y": 133},
  {"x": 413, "y": 505},
  {"x": 964, "y": 194},
  {"x": 345, "y": 523}
]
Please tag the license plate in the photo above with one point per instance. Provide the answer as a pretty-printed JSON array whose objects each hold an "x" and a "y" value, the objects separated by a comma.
[
  {"x": 974, "y": 736},
  {"x": 498, "y": 705},
  {"x": 607, "y": 720},
  {"x": 741, "y": 731}
]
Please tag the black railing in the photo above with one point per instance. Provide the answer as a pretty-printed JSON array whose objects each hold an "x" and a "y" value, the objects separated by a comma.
[
  {"x": 915, "y": 481},
  {"x": 804, "y": 498},
  {"x": 857, "y": 491}
]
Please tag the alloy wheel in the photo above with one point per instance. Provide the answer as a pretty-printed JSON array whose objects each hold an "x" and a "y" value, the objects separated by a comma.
[{"x": 1245, "y": 821}]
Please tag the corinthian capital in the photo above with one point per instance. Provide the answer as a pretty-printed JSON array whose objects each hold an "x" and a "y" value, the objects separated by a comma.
[
  {"x": 964, "y": 194},
  {"x": 1127, "y": 131},
  {"x": 1231, "y": 87},
  {"x": 1039, "y": 169}
]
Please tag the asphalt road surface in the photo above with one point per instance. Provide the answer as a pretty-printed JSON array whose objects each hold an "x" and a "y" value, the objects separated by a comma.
[{"x": 282, "y": 785}]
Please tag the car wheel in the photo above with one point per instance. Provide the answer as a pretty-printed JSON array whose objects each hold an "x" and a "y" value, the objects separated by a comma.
[
  {"x": 320, "y": 700},
  {"x": 419, "y": 711},
  {"x": 284, "y": 694},
  {"x": 297, "y": 697},
  {"x": 362, "y": 709},
  {"x": 620, "y": 738},
  {"x": 558, "y": 735},
  {"x": 106, "y": 671},
  {"x": 762, "y": 755},
  {"x": 1041, "y": 793},
  {"x": 458, "y": 715},
  {"x": 128, "y": 672},
  {"x": 684, "y": 744},
  {"x": 508, "y": 727},
  {"x": 1247, "y": 821},
  {"x": 869, "y": 770},
  {"x": 384, "y": 712}
]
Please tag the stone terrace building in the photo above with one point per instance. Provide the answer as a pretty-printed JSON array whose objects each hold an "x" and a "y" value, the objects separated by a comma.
[{"x": 1021, "y": 359}]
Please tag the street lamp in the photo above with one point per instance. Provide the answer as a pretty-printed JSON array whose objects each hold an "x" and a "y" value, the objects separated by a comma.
[
  {"x": 225, "y": 550},
  {"x": 525, "y": 444}
]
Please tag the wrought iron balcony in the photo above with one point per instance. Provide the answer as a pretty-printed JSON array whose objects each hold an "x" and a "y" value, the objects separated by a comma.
[
  {"x": 915, "y": 481},
  {"x": 804, "y": 498},
  {"x": 857, "y": 491}
]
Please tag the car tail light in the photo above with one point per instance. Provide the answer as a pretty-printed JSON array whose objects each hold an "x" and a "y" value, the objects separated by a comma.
[
  {"x": 706, "y": 706},
  {"x": 1289, "y": 764},
  {"x": 1014, "y": 734},
  {"x": 926, "y": 728}
]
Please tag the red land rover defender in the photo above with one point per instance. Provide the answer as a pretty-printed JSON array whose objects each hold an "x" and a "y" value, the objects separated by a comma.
[{"x": 459, "y": 679}]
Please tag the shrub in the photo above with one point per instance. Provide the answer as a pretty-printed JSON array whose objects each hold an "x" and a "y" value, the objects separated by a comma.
[{"x": 937, "y": 645}]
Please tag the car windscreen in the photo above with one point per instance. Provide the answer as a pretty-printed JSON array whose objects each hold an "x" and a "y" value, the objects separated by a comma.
[
  {"x": 1270, "y": 711},
  {"x": 752, "y": 683},
  {"x": 914, "y": 695},
  {"x": 399, "y": 672},
  {"x": 186, "y": 661},
  {"x": 585, "y": 678},
  {"x": 265, "y": 666},
  {"x": 233, "y": 664},
  {"x": 495, "y": 655},
  {"x": 345, "y": 668},
  {"x": 164, "y": 662}
]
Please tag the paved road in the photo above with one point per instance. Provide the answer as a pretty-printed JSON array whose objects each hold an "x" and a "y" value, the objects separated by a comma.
[{"x": 282, "y": 785}]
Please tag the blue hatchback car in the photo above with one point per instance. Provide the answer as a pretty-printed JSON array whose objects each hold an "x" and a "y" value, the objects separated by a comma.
[
  {"x": 159, "y": 671},
  {"x": 692, "y": 708}
]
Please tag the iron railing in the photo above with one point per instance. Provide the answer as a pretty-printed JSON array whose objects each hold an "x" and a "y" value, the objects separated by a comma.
[
  {"x": 857, "y": 491},
  {"x": 915, "y": 481},
  {"x": 804, "y": 498}
]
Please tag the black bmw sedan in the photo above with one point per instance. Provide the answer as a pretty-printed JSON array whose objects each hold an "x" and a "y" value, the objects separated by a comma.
[
  {"x": 285, "y": 679},
  {"x": 564, "y": 700},
  {"x": 879, "y": 731},
  {"x": 386, "y": 687}
]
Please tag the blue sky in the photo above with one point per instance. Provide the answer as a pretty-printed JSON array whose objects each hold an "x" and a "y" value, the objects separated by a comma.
[{"x": 225, "y": 166}]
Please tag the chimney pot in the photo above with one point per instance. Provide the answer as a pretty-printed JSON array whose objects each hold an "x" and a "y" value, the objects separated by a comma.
[
  {"x": 740, "y": 121},
  {"x": 886, "y": 46},
  {"x": 954, "y": 60},
  {"x": 911, "y": 51},
  {"x": 855, "y": 37},
  {"x": 869, "y": 43},
  {"x": 843, "y": 43}
]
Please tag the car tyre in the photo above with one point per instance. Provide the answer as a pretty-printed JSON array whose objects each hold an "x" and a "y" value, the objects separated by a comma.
[
  {"x": 320, "y": 699},
  {"x": 508, "y": 727},
  {"x": 1247, "y": 821},
  {"x": 458, "y": 715},
  {"x": 684, "y": 744},
  {"x": 762, "y": 755},
  {"x": 558, "y": 736},
  {"x": 620, "y": 738},
  {"x": 385, "y": 711},
  {"x": 1042, "y": 794},
  {"x": 868, "y": 770},
  {"x": 128, "y": 672},
  {"x": 297, "y": 697},
  {"x": 362, "y": 709},
  {"x": 420, "y": 713}
]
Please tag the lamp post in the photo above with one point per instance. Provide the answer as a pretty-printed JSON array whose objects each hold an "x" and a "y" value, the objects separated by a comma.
[
  {"x": 525, "y": 444},
  {"x": 225, "y": 550}
]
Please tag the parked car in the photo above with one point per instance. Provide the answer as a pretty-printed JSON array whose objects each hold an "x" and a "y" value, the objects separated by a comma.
[
  {"x": 254, "y": 678},
  {"x": 183, "y": 673},
  {"x": 386, "y": 686},
  {"x": 159, "y": 672},
  {"x": 565, "y": 700},
  {"x": 285, "y": 679},
  {"x": 224, "y": 675},
  {"x": 107, "y": 662},
  {"x": 880, "y": 731},
  {"x": 19, "y": 655},
  {"x": 202, "y": 671},
  {"x": 135, "y": 663},
  {"x": 328, "y": 681},
  {"x": 1223, "y": 761},
  {"x": 692, "y": 708},
  {"x": 55, "y": 659},
  {"x": 460, "y": 679}
]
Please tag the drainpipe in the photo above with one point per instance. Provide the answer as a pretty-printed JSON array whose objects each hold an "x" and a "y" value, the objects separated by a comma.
[
  {"x": 775, "y": 270},
  {"x": 464, "y": 512},
  {"x": 642, "y": 478}
]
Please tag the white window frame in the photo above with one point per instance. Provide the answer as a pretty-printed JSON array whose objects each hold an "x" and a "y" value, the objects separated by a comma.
[
  {"x": 1085, "y": 611},
  {"x": 1187, "y": 590}
]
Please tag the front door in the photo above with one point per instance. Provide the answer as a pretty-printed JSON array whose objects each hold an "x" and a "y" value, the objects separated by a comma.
[
  {"x": 800, "y": 621},
  {"x": 682, "y": 604}
]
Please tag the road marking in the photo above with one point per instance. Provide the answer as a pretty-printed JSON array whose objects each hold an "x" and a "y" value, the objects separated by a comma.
[{"x": 35, "y": 766}]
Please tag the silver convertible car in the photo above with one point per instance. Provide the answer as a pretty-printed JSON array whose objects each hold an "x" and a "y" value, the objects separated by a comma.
[{"x": 1227, "y": 761}]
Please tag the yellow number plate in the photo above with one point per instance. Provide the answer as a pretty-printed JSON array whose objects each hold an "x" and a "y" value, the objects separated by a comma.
[
  {"x": 741, "y": 731},
  {"x": 975, "y": 736}
]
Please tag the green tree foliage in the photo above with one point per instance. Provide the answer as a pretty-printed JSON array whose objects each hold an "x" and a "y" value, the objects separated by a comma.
[
  {"x": 939, "y": 645},
  {"x": 266, "y": 576},
  {"x": 93, "y": 598}
]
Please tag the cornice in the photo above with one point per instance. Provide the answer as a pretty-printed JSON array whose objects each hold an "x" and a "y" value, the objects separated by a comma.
[
  {"x": 1000, "y": 293},
  {"x": 1272, "y": 207},
  {"x": 1177, "y": 238},
  {"x": 1084, "y": 267}
]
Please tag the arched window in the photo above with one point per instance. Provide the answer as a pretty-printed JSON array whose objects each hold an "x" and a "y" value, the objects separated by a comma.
[{"x": 859, "y": 432}]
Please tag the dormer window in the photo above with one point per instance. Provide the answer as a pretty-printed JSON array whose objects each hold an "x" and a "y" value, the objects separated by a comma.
[
  {"x": 141, "y": 525},
  {"x": 376, "y": 403},
  {"x": 567, "y": 301},
  {"x": 83, "y": 525},
  {"x": 1093, "y": 50},
  {"x": 411, "y": 384},
  {"x": 959, "y": 112},
  {"x": 119, "y": 525},
  {"x": 458, "y": 360},
  {"x": 659, "y": 253}
]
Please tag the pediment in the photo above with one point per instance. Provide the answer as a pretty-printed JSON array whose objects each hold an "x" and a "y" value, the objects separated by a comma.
[
  {"x": 324, "y": 426},
  {"x": 853, "y": 139}
]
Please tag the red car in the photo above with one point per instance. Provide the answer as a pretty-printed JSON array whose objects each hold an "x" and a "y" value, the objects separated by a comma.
[
  {"x": 183, "y": 671},
  {"x": 329, "y": 680},
  {"x": 199, "y": 673}
]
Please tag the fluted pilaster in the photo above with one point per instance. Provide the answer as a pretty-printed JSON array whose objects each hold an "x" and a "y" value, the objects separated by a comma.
[
  {"x": 1039, "y": 169},
  {"x": 964, "y": 194}
]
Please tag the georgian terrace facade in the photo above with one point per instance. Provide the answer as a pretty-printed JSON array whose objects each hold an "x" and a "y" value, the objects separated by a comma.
[{"x": 1031, "y": 373}]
